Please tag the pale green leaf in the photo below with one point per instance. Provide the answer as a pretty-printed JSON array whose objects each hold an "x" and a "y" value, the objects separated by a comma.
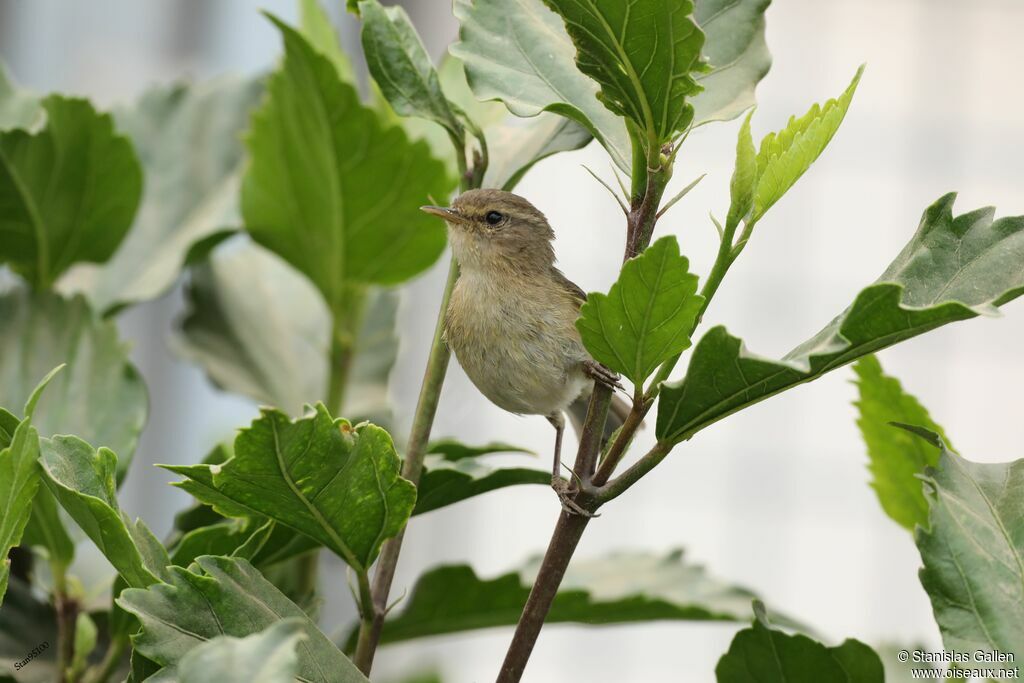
[
  {"x": 647, "y": 315},
  {"x": 452, "y": 450},
  {"x": 221, "y": 538},
  {"x": 19, "y": 475},
  {"x": 188, "y": 139},
  {"x": 744, "y": 176},
  {"x": 84, "y": 643},
  {"x": 952, "y": 269},
  {"x": 785, "y": 156},
  {"x": 226, "y": 597},
  {"x": 519, "y": 52},
  {"x": 737, "y": 54},
  {"x": 82, "y": 480},
  {"x": 614, "y": 589},
  {"x": 336, "y": 483},
  {"x": 401, "y": 67},
  {"x": 19, "y": 480},
  {"x": 514, "y": 144},
  {"x": 42, "y": 330},
  {"x": 45, "y": 530},
  {"x": 68, "y": 193},
  {"x": 268, "y": 656},
  {"x": 316, "y": 27},
  {"x": 258, "y": 328},
  {"x": 18, "y": 108},
  {"x": 643, "y": 54},
  {"x": 897, "y": 459},
  {"x": 330, "y": 189},
  {"x": 764, "y": 654},
  {"x": 445, "y": 481},
  {"x": 973, "y": 551}
]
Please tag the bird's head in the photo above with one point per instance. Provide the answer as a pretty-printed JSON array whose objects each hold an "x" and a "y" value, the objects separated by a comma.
[{"x": 495, "y": 229}]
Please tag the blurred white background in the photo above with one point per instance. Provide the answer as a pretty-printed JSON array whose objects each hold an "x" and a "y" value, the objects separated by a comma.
[{"x": 774, "y": 498}]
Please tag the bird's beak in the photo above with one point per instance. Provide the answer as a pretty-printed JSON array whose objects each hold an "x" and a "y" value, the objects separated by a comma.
[{"x": 443, "y": 212}]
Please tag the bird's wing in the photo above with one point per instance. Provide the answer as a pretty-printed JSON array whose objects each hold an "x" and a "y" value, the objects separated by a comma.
[{"x": 570, "y": 287}]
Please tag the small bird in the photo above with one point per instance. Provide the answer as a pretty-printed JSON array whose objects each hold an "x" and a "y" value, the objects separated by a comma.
[{"x": 512, "y": 314}]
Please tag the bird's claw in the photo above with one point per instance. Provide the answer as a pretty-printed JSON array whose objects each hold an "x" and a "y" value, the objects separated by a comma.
[
  {"x": 600, "y": 373},
  {"x": 565, "y": 491}
]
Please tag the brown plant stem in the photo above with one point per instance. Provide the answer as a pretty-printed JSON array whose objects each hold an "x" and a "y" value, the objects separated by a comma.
[
  {"x": 412, "y": 468},
  {"x": 618, "y": 448},
  {"x": 566, "y": 537},
  {"x": 651, "y": 170},
  {"x": 563, "y": 544},
  {"x": 470, "y": 177},
  {"x": 67, "y": 615}
]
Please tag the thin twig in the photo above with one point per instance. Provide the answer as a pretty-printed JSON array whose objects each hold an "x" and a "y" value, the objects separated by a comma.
[
  {"x": 412, "y": 467},
  {"x": 566, "y": 536},
  {"x": 622, "y": 205},
  {"x": 682, "y": 193},
  {"x": 618, "y": 179}
]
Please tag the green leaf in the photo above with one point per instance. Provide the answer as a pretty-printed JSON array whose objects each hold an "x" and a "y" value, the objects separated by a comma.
[
  {"x": 316, "y": 27},
  {"x": 647, "y": 315},
  {"x": 642, "y": 54},
  {"x": 19, "y": 475},
  {"x": 188, "y": 140},
  {"x": 401, "y": 67},
  {"x": 452, "y": 450},
  {"x": 143, "y": 669},
  {"x": 446, "y": 481},
  {"x": 84, "y": 644},
  {"x": 330, "y": 189},
  {"x": 618, "y": 588},
  {"x": 451, "y": 475},
  {"x": 42, "y": 330},
  {"x": 973, "y": 550},
  {"x": 953, "y": 269},
  {"x": 266, "y": 657},
  {"x": 744, "y": 176},
  {"x": 45, "y": 531},
  {"x": 18, "y": 108},
  {"x": 785, "y": 155},
  {"x": 227, "y": 597},
  {"x": 514, "y": 144},
  {"x": 82, "y": 480},
  {"x": 67, "y": 193},
  {"x": 519, "y": 53},
  {"x": 333, "y": 482},
  {"x": 764, "y": 654},
  {"x": 222, "y": 538},
  {"x": 19, "y": 480},
  {"x": 258, "y": 328},
  {"x": 897, "y": 459},
  {"x": 736, "y": 51}
]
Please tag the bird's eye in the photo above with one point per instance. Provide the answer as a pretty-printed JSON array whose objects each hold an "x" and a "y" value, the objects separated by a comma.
[{"x": 494, "y": 217}]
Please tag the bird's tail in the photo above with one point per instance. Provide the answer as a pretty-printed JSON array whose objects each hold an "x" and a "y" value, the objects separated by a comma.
[{"x": 616, "y": 414}]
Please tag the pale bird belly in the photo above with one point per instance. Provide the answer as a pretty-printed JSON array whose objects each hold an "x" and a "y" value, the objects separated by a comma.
[
  {"x": 503, "y": 373},
  {"x": 517, "y": 343}
]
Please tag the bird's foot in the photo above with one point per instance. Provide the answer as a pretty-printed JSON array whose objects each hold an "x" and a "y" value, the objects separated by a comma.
[
  {"x": 565, "y": 491},
  {"x": 599, "y": 373}
]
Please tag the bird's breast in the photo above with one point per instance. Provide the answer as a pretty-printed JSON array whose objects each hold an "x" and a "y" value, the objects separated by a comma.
[{"x": 517, "y": 342}]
